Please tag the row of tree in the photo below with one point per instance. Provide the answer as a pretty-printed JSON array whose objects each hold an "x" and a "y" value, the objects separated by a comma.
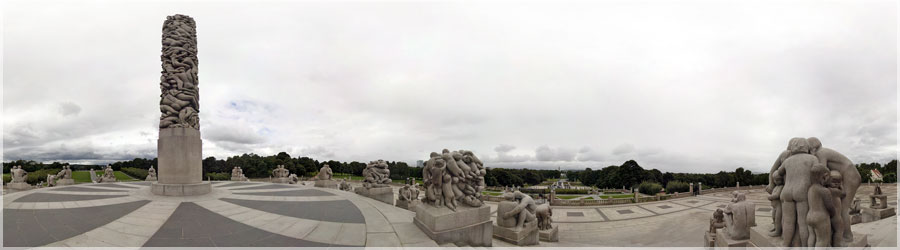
[{"x": 627, "y": 175}]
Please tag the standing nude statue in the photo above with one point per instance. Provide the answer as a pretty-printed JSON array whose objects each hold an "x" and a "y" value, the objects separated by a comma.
[
  {"x": 794, "y": 205},
  {"x": 821, "y": 207},
  {"x": 775, "y": 197},
  {"x": 851, "y": 178},
  {"x": 837, "y": 197}
]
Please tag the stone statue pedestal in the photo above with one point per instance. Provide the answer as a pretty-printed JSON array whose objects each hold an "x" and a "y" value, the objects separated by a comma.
[
  {"x": 107, "y": 180},
  {"x": 383, "y": 194},
  {"x": 709, "y": 239},
  {"x": 180, "y": 170},
  {"x": 408, "y": 204},
  {"x": 150, "y": 178},
  {"x": 283, "y": 180},
  {"x": 505, "y": 228},
  {"x": 869, "y": 214},
  {"x": 326, "y": 184},
  {"x": 759, "y": 237},
  {"x": 549, "y": 235},
  {"x": 18, "y": 186},
  {"x": 238, "y": 178},
  {"x": 722, "y": 240},
  {"x": 65, "y": 182},
  {"x": 470, "y": 226},
  {"x": 525, "y": 236},
  {"x": 855, "y": 219}
]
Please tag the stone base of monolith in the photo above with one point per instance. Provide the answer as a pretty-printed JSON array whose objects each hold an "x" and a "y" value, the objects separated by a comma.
[
  {"x": 549, "y": 235},
  {"x": 759, "y": 237},
  {"x": 180, "y": 170},
  {"x": 181, "y": 189},
  {"x": 467, "y": 226},
  {"x": 326, "y": 184},
  {"x": 18, "y": 186},
  {"x": 65, "y": 182},
  {"x": 872, "y": 214},
  {"x": 408, "y": 204},
  {"x": 383, "y": 194}
]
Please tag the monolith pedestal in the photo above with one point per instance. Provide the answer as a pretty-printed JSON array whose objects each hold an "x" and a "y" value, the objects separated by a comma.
[{"x": 180, "y": 164}]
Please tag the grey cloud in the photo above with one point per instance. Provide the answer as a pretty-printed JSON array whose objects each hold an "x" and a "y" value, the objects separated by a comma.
[
  {"x": 69, "y": 108},
  {"x": 623, "y": 149},
  {"x": 503, "y": 148},
  {"x": 545, "y": 153}
]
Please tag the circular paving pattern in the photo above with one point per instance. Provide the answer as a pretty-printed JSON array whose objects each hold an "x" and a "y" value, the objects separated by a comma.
[{"x": 234, "y": 214}]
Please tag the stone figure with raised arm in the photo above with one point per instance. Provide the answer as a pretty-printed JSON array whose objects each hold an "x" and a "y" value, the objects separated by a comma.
[
  {"x": 794, "y": 203},
  {"x": 834, "y": 160}
]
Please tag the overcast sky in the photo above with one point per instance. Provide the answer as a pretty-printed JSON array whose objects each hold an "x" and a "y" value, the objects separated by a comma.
[{"x": 698, "y": 86}]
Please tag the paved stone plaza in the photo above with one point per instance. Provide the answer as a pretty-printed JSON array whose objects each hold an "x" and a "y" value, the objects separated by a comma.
[
  {"x": 261, "y": 214},
  {"x": 234, "y": 214}
]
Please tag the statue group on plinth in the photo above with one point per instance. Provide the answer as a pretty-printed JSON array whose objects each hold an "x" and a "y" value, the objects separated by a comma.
[
  {"x": 811, "y": 189},
  {"x": 237, "y": 174},
  {"x": 878, "y": 207},
  {"x": 18, "y": 176},
  {"x": 63, "y": 178},
  {"x": 452, "y": 210},
  {"x": 283, "y": 175},
  {"x": 408, "y": 197},
  {"x": 517, "y": 220},
  {"x": 151, "y": 174},
  {"x": 108, "y": 175},
  {"x": 345, "y": 186},
  {"x": 323, "y": 178},
  {"x": 376, "y": 180}
]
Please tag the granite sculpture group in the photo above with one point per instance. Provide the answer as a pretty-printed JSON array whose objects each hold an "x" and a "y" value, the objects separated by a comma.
[
  {"x": 64, "y": 177},
  {"x": 151, "y": 174},
  {"x": 376, "y": 177},
  {"x": 323, "y": 178},
  {"x": 452, "y": 210},
  {"x": 237, "y": 174},
  {"x": 108, "y": 175},
  {"x": 811, "y": 189},
  {"x": 18, "y": 176},
  {"x": 408, "y": 197}
]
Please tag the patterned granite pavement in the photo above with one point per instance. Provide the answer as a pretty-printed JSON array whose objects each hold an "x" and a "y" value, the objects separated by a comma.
[{"x": 235, "y": 214}]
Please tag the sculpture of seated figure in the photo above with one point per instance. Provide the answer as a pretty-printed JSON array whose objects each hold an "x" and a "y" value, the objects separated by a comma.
[
  {"x": 151, "y": 174},
  {"x": 717, "y": 221},
  {"x": 878, "y": 200},
  {"x": 854, "y": 206},
  {"x": 345, "y": 186},
  {"x": 18, "y": 174},
  {"x": 524, "y": 211},
  {"x": 51, "y": 180},
  {"x": 292, "y": 179},
  {"x": 404, "y": 193},
  {"x": 324, "y": 173},
  {"x": 740, "y": 215}
]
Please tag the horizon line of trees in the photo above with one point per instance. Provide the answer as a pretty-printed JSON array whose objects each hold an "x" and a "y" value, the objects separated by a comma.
[{"x": 629, "y": 174}]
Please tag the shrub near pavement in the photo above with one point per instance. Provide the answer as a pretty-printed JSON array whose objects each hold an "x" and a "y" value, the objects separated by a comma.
[
  {"x": 677, "y": 186},
  {"x": 649, "y": 188},
  {"x": 219, "y": 176},
  {"x": 39, "y": 176},
  {"x": 138, "y": 173}
]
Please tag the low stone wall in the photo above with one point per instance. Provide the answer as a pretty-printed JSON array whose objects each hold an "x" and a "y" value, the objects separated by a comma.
[{"x": 729, "y": 189}]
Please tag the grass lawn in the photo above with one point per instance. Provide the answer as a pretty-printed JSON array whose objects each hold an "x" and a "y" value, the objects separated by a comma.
[
  {"x": 491, "y": 193},
  {"x": 343, "y": 175},
  {"x": 85, "y": 176},
  {"x": 589, "y": 198},
  {"x": 567, "y": 197},
  {"x": 616, "y": 196}
]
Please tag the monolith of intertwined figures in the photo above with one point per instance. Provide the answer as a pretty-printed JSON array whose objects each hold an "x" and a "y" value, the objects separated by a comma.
[{"x": 179, "y": 146}]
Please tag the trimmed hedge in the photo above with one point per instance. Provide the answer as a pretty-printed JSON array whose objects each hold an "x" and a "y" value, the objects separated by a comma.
[
  {"x": 7, "y": 179},
  {"x": 36, "y": 177},
  {"x": 219, "y": 176},
  {"x": 137, "y": 173},
  {"x": 677, "y": 186},
  {"x": 649, "y": 188}
]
